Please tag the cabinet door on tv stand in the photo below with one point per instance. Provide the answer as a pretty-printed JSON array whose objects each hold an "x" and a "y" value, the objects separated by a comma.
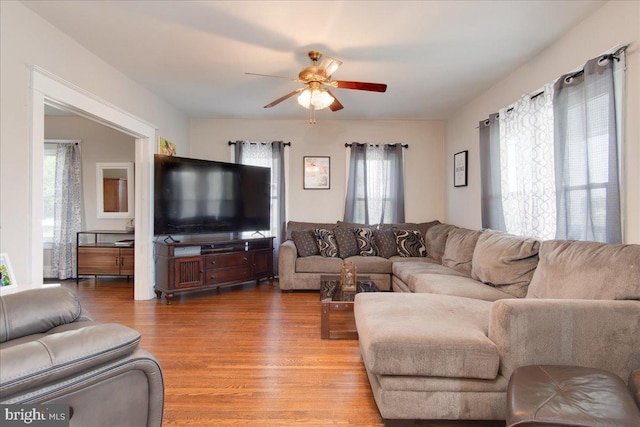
[
  {"x": 187, "y": 272},
  {"x": 263, "y": 263}
]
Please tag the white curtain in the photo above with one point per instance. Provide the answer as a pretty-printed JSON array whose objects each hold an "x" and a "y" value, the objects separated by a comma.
[
  {"x": 527, "y": 166},
  {"x": 375, "y": 189},
  {"x": 271, "y": 155},
  {"x": 67, "y": 210}
]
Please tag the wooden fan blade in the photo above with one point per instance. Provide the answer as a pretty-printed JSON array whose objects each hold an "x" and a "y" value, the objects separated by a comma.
[
  {"x": 277, "y": 77},
  {"x": 282, "y": 98},
  {"x": 336, "y": 105},
  {"x": 373, "y": 87}
]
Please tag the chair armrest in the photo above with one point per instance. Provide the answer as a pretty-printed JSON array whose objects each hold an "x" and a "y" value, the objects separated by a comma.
[
  {"x": 602, "y": 334},
  {"x": 287, "y": 256},
  {"x": 62, "y": 354}
]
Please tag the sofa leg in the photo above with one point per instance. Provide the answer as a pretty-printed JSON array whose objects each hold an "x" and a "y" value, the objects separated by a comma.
[{"x": 398, "y": 423}]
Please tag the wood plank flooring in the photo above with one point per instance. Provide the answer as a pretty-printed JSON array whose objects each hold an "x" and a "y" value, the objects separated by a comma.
[{"x": 248, "y": 356}]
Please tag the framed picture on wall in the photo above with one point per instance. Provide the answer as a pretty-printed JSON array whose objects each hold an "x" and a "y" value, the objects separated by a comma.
[
  {"x": 460, "y": 169},
  {"x": 6, "y": 273},
  {"x": 317, "y": 173},
  {"x": 166, "y": 147}
]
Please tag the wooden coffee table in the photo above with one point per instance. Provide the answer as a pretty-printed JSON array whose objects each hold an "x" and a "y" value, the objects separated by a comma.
[{"x": 333, "y": 299}]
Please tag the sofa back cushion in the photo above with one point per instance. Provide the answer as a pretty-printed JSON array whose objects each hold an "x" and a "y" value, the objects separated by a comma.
[
  {"x": 301, "y": 226},
  {"x": 436, "y": 240},
  {"x": 505, "y": 261},
  {"x": 586, "y": 270},
  {"x": 36, "y": 311},
  {"x": 458, "y": 252}
]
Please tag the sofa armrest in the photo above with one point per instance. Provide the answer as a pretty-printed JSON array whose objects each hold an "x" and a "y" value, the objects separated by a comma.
[
  {"x": 62, "y": 354},
  {"x": 287, "y": 256},
  {"x": 602, "y": 334}
]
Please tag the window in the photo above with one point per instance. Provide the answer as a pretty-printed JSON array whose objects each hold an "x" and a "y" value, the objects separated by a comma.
[
  {"x": 375, "y": 189},
  {"x": 49, "y": 192},
  {"x": 557, "y": 159}
]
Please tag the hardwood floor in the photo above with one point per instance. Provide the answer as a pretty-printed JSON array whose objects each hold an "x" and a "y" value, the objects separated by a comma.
[{"x": 248, "y": 356}]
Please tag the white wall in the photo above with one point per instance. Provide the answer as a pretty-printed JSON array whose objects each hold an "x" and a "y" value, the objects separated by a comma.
[
  {"x": 424, "y": 169},
  {"x": 616, "y": 23},
  {"x": 26, "y": 39},
  {"x": 99, "y": 144}
]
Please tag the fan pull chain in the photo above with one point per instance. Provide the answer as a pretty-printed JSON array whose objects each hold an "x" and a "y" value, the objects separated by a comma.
[{"x": 312, "y": 115}]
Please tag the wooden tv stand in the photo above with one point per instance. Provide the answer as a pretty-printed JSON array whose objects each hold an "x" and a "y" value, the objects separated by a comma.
[{"x": 196, "y": 265}]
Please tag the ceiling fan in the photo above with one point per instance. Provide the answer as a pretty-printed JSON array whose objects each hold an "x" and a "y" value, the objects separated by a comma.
[{"x": 314, "y": 96}]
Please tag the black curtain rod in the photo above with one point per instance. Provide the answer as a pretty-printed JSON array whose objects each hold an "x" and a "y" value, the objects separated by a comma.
[
  {"x": 614, "y": 55},
  {"x": 375, "y": 145},
  {"x": 286, "y": 144}
]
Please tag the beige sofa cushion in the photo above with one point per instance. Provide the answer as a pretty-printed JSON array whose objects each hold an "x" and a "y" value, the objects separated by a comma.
[
  {"x": 586, "y": 270},
  {"x": 443, "y": 284},
  {"x": 436, "y": 239},
  {"x": 370, "y": 264},
  {"x": 425, "y": 335},
  {"x": 458, "y": 252},
  {"x": 407, "y": 270},
  {"x": 505, "y": 261},
  {"x": 318, "y": 264}
]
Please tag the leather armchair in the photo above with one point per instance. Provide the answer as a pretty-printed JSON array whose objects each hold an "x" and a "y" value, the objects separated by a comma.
[{"x": 53, "y": 352}]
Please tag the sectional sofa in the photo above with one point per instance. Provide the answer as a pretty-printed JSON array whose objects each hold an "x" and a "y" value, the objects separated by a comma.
[{"x": 478, "y": 305}]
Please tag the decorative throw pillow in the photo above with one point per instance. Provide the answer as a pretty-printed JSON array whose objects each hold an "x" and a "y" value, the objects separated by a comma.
[
  {"x": 385, "y": 243},
  {"x": 305, "y": 241},
  {"x": 327, "y": 244},
  {"x": 410, "y": 243},
  {"x": 366, "y": 242},
  {"x": 346, "y": 240}
]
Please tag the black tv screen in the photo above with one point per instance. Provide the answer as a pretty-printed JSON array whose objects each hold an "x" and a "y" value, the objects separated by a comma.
[{"x": 195, "y": 196}]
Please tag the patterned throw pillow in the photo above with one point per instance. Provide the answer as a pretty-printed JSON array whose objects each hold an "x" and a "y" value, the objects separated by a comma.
[
  {"x": 327, "y": 244},
  {"x": 385, "y": 243},
  {"x": 347, "y": 243},
  {"x": 410, "y": 243},
  {"x": 366, "y": 242},
  {"x": 305, "y": 241}
]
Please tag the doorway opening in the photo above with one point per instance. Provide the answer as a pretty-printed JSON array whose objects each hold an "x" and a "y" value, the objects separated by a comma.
[{"x": 48, "y": 89}]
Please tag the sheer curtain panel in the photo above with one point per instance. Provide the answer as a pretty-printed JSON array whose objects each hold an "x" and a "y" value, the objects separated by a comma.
[
  {"x": 375, "y": 188},
  {"x": 527, "y": 166},
  {"x": 586, "y": 151},
  {"x": 271, "y": 155},
  {"x": 67, "y": 210}
]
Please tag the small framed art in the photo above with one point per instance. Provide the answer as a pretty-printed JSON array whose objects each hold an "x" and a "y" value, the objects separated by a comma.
[
  {"x": 317, "y": 173},
  {"x": 460, "y": 169},
  {"x": 166, "y": 147},
  {"x": 6, "y": 273}
]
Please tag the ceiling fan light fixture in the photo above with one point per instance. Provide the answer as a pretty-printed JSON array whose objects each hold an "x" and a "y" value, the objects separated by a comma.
[
  {"x": 329, "y": 65},
  {"x": 318, "y": 98}
]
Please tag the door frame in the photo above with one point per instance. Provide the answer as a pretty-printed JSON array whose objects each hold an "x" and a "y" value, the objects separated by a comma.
[{"x": 48, "y": 89}]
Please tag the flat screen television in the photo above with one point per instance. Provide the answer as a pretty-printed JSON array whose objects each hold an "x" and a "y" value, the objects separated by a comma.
[{"x": 195, "y": 196}]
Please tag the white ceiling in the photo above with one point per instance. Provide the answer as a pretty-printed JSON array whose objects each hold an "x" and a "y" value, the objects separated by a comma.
[{"x": 434, "y": 55}]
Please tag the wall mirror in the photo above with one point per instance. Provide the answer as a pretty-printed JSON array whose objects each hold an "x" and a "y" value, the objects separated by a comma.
[{"x": 114, "y": 190}]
